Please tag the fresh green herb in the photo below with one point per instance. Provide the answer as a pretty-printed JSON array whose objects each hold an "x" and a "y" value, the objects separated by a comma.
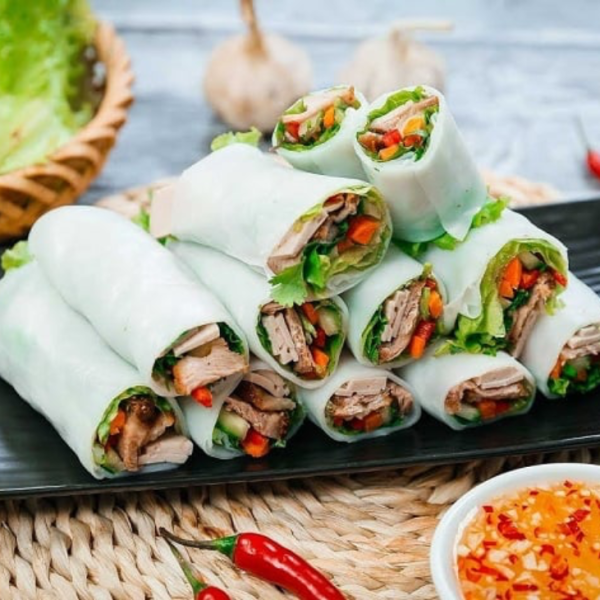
[
  {"x": 45, "y": 91},
  {"x": 163, "y": 367},
  {"x": 251, "y": 138},
  {"x": 372, "y": 335},
  {"x": 234, "y": 341},
  {"x": 263, "y": 336},
  {"x": 289, "y": 286},
  {"x": 16, "y": 257},
  {"x": 569, "y": 381}
]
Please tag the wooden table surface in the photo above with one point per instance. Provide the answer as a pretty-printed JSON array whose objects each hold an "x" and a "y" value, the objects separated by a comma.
[{"x": 518, "y": 72}]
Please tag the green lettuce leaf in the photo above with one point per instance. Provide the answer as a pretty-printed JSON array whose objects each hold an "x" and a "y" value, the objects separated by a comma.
[
  {"x": 252, "y": 138},
  {"x": 490, "y": 212},
  {"x": 234, "y": 341},
  {"x": 372, "y": 335},
  {"x": 396, "y": 100},
  {"x": 45, "y": 91},
  {"x": 487, "y": 331},
  {"x": 16, "y": 257},
  {"x": 568, "y": 381}
]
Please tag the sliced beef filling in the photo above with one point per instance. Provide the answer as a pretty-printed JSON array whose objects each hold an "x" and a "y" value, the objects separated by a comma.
[
  {"x": 205, "y": 365},
  {"x": 322, "y": 227},
  {"x": 501, "y": 386},
  {"x": 525, "y": 317},
  {"x": 586, "y": 342},
  {"x": 287, "y": 337},
  {"x": 266, "y": 413},
  {"x": 148, "y": 436},
  {"x": 402, "y": 313},
  {"x": 367, "y": 404}
]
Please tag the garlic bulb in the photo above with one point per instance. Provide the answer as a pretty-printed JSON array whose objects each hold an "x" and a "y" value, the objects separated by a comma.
[
  {"x": 395, "y": 61},
  {"x": 252, "y": 78}
]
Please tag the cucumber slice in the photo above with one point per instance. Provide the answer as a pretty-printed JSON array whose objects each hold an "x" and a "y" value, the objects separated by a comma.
[
  {"x": 468, "y": 413},
  {"x": 530, "y": 261},
  {"x": 233, "y": 424},
  {"x": 329, "y": 320}
]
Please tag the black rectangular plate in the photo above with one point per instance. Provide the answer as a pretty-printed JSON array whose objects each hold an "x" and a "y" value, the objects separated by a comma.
[{"x": 35, "y": 461}]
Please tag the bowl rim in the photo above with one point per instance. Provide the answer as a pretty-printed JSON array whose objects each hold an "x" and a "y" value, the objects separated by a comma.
[{"x": 442, "y": 557}]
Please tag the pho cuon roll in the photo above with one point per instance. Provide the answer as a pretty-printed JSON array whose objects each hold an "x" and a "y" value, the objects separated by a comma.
[
  {"x": 499, "y": 281},
  {"x": 395, "y": 313},
  {"x": 465, "y": 390},
  {"x": 360, "y": 402},
  {"x": 563, "y": 350},
  {"x": 413, "y": 152},
  {"x": 316, "y": 236},
  {"x": 147, "y": 305},
  {"x": 262, "y": 413},
  {"x": 317, "y": 132},
  {"x": 97, "y": 402},
  {"x": 301, "y": 342}
]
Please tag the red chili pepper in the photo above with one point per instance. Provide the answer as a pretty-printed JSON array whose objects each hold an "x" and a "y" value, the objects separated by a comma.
[
  {"x": 592, "y": 156},
  {"x": 509, "y": 530},
  {"x": 201, "y": 590},
  {"x": 270, "y": 561}
]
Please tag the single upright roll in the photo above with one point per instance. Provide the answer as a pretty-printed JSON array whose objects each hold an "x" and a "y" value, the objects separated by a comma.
[
  {"x": 302, "y": 342},
  {"x": 317, "y": 132},
  {"x": 563, "y": 350},
  {"x": 147, "y": 305},
  {"x": 360, "y": 402},
  {"x": 413, "y": 152},
  {"x": 395, "y": 313},
  {"x": 467, "y": 390},
  {"x": 499, "y": 280},
  {"x": 318, "y": 235},
  {"x": 97, "y": 402},
  {"x": 261, "y": 414}
]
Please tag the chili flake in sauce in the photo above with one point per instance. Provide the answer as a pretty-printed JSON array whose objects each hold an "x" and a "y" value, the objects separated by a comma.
[{"x": 537, "y": 543}]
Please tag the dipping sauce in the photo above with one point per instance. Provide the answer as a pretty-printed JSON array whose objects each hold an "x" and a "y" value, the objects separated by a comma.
[{"x": 537, "y": 543}]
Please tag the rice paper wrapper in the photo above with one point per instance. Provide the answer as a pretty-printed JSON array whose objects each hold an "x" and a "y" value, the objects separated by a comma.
[
  {"x": 440, "y": 192},
  {"x": 59, "y": 365},
  {"x": 580, "y": 308},
  {"x": 243, "y": 291},
  {"x": 434, "y": 376},
  {"x": 201, "y": 421},
  {"x": 242, "y": 202},
  {"x": 336, "y": 156},
  {"x": 135, "y": 293},
  {"x": 463, "y": 268},
  {"x": 315, "y": 401},
  {"x": 363, "y": 300}
]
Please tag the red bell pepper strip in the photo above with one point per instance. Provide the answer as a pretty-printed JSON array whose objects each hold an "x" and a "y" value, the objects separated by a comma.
[
  {"x": 255, "y": 444},
  {"x": 202, "y": 395},
  {"x": 391, "y": 138},
  {"x": 270, "y": 561},
  {"x": 559, "y": 278},
  {"x": 201, "y": 590}
]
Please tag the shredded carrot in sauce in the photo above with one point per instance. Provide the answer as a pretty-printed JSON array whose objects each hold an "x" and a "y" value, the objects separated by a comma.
[{"x": 539, "y": 543}]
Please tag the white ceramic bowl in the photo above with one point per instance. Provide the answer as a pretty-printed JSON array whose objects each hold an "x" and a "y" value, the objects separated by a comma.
[{"x": 443, "y": 548}]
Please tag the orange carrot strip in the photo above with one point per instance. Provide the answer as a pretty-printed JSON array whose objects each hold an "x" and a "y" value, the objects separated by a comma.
[
  {"x": 436, "y": 306},
  {"x": 329, "y": 117},
  {"x": 362, "y": 229}
]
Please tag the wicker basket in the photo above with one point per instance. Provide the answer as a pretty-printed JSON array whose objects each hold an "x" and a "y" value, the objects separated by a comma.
[{"x": 27, "y": 193}]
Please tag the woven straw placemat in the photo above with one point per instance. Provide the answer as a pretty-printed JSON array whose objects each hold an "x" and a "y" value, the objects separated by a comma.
[{"x": 370, "y": 532}]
